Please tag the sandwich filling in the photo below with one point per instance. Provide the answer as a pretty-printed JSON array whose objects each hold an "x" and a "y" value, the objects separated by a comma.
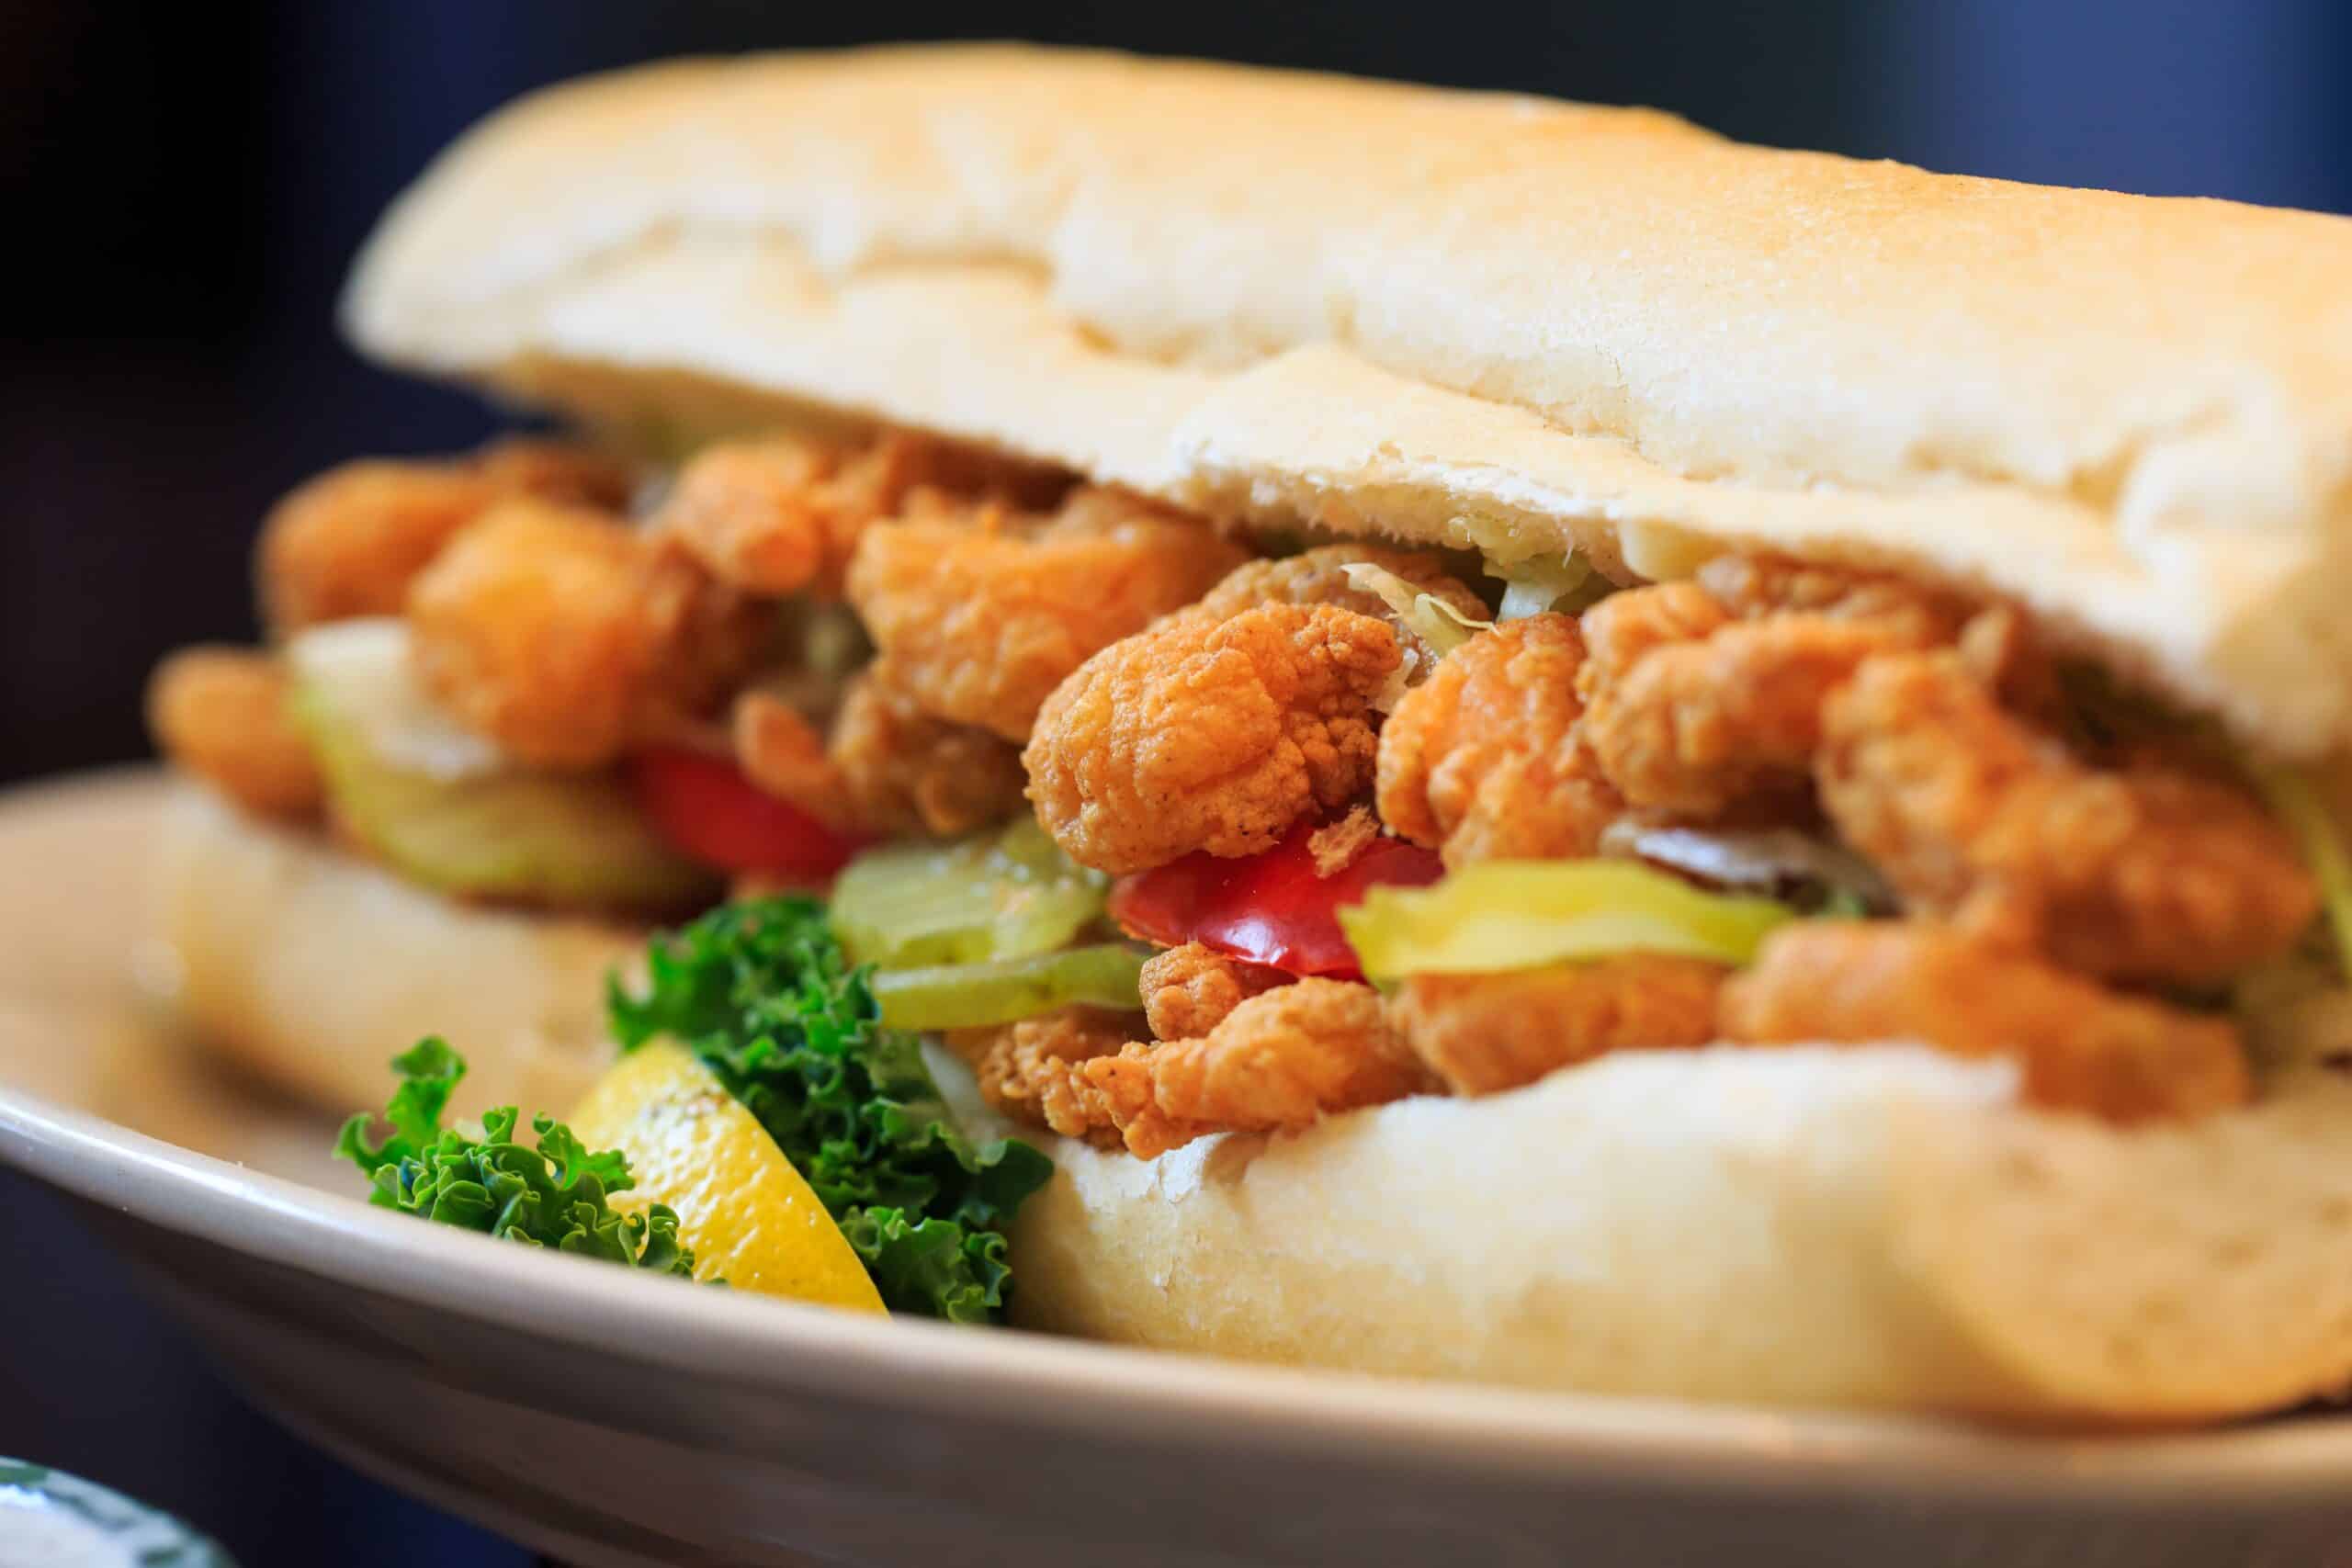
[{"x": 1172, "y": 830}]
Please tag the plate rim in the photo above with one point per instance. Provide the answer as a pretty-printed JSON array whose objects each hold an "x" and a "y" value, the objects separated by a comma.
[{"x": 929, "y": 1368}]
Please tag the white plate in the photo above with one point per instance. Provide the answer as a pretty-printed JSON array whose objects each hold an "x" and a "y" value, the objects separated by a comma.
[{"x": 615, "y": 1419}]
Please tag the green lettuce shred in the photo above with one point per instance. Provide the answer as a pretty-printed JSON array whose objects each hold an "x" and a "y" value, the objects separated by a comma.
[
  {"x": 2298, "y": 804},
  {"x": 556, "y": 1194},
  {"x": 762, "y": 992},
  {"x": 1440, "y": 625}
]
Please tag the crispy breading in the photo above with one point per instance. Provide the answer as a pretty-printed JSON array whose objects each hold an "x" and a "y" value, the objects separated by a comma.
[
  {"x": 784, "y": 513},
  {"x": 1482, "y": 1033},
  {"x": 1030, "y": 1071},
  {"x": 221, "y": 713},
  {"x": 2079, "y": 1047},
  {"x": 2144, "y": 873},
  {"x": 1702, "y": 695},
  {"x": 1189, "y": 990},
  {"x": 1319, "y": 576},
  {"x": 1335, "y": 846},
  {"x": 1485, "y": 760},
  {"x": 563, "y": 636},
  {"x": 1211, "y": 735},
  {"x": 887, "y": 767},
  {"x": 351, "y": 541},
  {"x": 982, "y": 615},
  {"x": 1753, "y": 586},
  {"x": 1282, "y": 1059}
]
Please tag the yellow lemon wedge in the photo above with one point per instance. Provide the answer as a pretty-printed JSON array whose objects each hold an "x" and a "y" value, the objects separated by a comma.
[{"x": 751, "y": 1219}]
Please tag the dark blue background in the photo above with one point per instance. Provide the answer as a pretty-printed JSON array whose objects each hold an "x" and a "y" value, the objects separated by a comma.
[{"x": 183, "y": 185}]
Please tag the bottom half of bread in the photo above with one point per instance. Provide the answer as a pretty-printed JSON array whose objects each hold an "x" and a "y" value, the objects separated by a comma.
[
  {"x": 312, "y": 968},
  {"x": 1880, "y": 1227}
]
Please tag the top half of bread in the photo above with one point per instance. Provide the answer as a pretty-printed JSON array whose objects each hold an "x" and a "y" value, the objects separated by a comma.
[{"x": 1441, "y": 316}]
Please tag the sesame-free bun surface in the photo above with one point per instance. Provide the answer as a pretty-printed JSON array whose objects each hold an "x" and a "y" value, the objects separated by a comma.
[
  {"x": 311, "y": 969},
  {"x": 1439, "y": 315},
  {"x": 1879, "y": 1227}
]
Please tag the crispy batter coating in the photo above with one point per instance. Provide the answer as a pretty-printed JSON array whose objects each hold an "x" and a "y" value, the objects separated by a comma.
[
  {"x": 1282, "y": 1059},
  {"x": 1482, "y": 1033},
  {"x": 1189, "y": 990},
  {"x": 1485, "y": 760},
  {"x": 1319, "y": 576},
  {"x": 562, "y": 635},
  {"x": 887, "y": 768},
  {"x": 1031, "y": 1071},
  {"x": 784, "y": 515},
  {"x": 351, "y": 541},
  {"x": 1702, "y": 695},
  {"x": 1335, "y": 846},
  {"x": 221, "y": 714},
  {"x": 1209, "y": 735},
  {"x": 2080, "y": 1048},
  {"x": 2144, "y": 872},
  {"x": 982, "y": 615}
]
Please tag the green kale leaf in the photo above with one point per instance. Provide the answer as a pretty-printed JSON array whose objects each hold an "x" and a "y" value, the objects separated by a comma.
[
  {"x": 556, "y": 1194},
  {"x": 762, "y": 994}
]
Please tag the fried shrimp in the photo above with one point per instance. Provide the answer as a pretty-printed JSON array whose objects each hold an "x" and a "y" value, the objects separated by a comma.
[
  {"x": 562, "y": 635},
  {"x": 2079, "y": 1047},
  {"x": 981, "y": 618},
  {"x": 1482, "y": 1033},
  {"x": 221, "y": 713},
  {"x": 1282, "y": 1059},
  {"x": 1701, "y": 695},
  {"x": 1319, "y": 576},
  {"x": 2144, "y": 872},
  {"x": 1209, "y": 735},
  {"x": 1189, "y": 990},
  {"x": 350, "y": 542},
  {"x": 1032, "y": 1071},
  {"x": 784, "y": 514},
  {"x": 887, "y": 767},
  {"x": 1485, "y": 759}
]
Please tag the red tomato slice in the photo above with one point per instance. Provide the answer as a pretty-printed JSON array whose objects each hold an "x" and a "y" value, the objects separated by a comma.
[
  {"x": 1270, "y": 908},
  {"x": 706, "y": 807}
]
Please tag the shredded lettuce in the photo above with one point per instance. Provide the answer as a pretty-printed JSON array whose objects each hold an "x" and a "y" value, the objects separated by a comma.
[
  {"x": 1533, "y": 587},
  {"x": 1524, "y": 914},
  {"x": 1437, "y": 622},
  {"x": 763, "y": 993},
  {"x": 968, "y": 996},
  {"x": 2300, "y": 805},
  {"x": 556, "y": 1194}
]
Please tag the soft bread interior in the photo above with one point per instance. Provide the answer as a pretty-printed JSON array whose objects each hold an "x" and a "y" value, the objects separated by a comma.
[
  {"x": 312, "y": 968},
  {"x": 1878, "y": 1227},
  {"x": 1468, "y": 318}
]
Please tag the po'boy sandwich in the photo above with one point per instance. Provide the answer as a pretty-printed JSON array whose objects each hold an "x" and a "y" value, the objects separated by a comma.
[{"x": 1534, "y": 745}]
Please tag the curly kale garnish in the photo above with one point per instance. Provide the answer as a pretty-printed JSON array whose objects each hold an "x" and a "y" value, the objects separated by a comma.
[
  {"x": 554, "y": 1194},
  {"x": 761, "y": 993}
]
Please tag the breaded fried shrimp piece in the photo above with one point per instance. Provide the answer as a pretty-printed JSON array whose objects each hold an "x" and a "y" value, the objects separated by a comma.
[
  {"x": 1283, "y": 1059},
  {"x": 2079, "y": 1047},
  {"x": 2144, "y": 872},
  {"x": 783, "y": 514},
  {"x": 1485, "y": 760},
  {"x": 221, "y": 713},
  {"x": 1209, "y": 735},
  {"x": 1319, "y": 576},
  {"x": 350, "y": 542},
  {"x": 982, "y": 618},
  {"x": 1752, "y": 586},
  {"x": 887, "y": 767},
  {"x": 1189, "y": 990},
  {"x": 562, "y": 635},
  {"x": 1482, "y": 1033},
  {"x": 1335, "y": 846},
  {"x": 1031, "y": 1072}
]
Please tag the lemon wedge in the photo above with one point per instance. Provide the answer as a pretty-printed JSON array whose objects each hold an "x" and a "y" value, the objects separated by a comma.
[{"x": 751, "y": 1219}]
